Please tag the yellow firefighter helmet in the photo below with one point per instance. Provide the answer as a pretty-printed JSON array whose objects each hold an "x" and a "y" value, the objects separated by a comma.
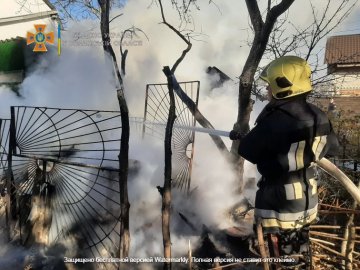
[{"x": 288, "y": 76}]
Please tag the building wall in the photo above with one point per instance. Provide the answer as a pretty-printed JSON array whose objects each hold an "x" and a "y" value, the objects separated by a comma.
[
  {"x": 15, "y": 22},
  {"x": 349, "y": 106},
  {"x": 13, "y": 8},
  {"x": 20, "y": 29},
  {"x": 347, "y": 85}
]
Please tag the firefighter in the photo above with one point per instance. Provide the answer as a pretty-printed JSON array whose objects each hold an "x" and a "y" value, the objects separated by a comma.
[{"x": 289, "y": 136}]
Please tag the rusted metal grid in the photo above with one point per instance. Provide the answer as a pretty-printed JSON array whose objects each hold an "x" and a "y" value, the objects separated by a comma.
[
  {"x": 4, "y": 146},
  {"x": 64, "y": 163},
  {"x": 157, "y": 104}
]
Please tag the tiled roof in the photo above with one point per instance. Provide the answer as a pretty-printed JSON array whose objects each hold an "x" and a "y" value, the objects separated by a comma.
[{"x": 343, "y": 49}]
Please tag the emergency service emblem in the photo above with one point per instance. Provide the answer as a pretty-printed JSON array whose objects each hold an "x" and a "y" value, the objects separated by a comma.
[{"x": 40, "y": 38}]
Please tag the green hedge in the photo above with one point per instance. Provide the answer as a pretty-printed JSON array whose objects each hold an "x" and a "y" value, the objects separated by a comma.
[{"x": 12, "y": 55}]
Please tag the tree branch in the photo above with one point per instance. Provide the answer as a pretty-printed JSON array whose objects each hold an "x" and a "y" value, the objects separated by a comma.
[
  {"x": 131, "y": 31},
  {"x": 124, "y": 244},
  {"x": 186, "y": 40},
  {"x": 116, "y": 17},
  {"x": 199, "y": 117},
  {"x": 255, "y": 15},
  {"x": 279, "y": 9},
  {"x": 273, "y": 14},
  {"x": 258, "y": 47}
]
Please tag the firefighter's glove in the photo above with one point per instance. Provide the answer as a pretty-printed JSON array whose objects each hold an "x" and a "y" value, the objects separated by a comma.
[{"x": 236, "y": 135}]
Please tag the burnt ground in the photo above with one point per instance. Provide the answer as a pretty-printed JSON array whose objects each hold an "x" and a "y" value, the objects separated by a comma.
[{"x": 219, "y": 244}]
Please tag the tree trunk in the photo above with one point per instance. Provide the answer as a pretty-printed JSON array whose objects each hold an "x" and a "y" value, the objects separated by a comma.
[
  {"x": 262, "y": 32},
  {"x": 125, "y": 134},
  {"x": 245, "y": 103},
  {"x": 40, "y": 211},
  {"x": 166, "y": 196},
  {"x": 123, "y": 175},
  {"x": 199, "y": 117}
]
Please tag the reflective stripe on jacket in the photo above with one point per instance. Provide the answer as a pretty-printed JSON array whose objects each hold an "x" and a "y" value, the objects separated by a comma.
[{"x": 289, "y": 136}]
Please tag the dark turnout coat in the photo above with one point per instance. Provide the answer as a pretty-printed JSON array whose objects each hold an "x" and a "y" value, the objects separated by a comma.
[{"x": 289, "y": 136}]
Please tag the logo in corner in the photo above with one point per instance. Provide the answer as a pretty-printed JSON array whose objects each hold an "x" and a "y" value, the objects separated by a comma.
[{"x": 40, "y": 38}]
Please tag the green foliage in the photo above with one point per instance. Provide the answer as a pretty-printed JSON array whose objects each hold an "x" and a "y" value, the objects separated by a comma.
[{"x": 12, "y": 55}]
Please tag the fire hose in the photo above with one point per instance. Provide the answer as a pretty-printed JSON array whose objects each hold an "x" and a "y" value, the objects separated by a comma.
[
  {"x": 335, "y": 172},
  {"x": 324, "y": 163}
]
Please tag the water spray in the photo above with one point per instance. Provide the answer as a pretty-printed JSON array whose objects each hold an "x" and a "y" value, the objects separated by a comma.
[
  {"x": 209, "y": 131},
  {"x": 324, "y": 163}
]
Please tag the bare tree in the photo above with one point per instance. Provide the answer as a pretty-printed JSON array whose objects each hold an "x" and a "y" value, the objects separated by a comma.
[
  {"x": 186, "y": 35},
  {"x": 271, "y": 40},
  {"x": 101, "y": 9},
  {"x": 125, "y": 134},
  {"x": 287, "y": 37},
  {"x": 132, "y": 31},
  {"x": 262, "y": 31},
  {"x": 166, "y": 193},
  {"x": 81, "y": 9}
]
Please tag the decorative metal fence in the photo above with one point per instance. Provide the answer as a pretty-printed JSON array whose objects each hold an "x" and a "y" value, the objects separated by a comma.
[
  {"x": 157, "y": 104},
  {"x": 59, "y": 168}
]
